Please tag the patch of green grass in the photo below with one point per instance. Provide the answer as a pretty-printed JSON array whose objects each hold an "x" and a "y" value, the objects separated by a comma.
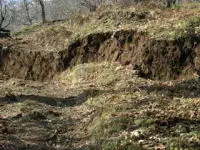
[
  {"x": 178, "y": 29},
  {"x": 144, "y": 122},
  {"x": 120, "y": 144},
  {"x": 176, "y": 143},
  {"x": 28, "y": 30},
  {"x": 104, "y": 128}
]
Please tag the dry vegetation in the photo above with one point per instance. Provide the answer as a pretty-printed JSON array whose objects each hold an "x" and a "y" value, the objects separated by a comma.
[
  {"x": 158, "y": 22},
  {"x": 137, "y": 113},
  {"x": 102, "y": 105}
]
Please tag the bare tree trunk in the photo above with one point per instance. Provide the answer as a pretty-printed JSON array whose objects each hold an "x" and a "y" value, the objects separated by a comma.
[
  {"x": 170, "y": 3},
  {"x": 4, "y": 23},
  {"x": 91, "y": 5},
  {"x": 3, "y": 13},
  {"x": 27, "y": 12},
  {"x": 41, "y": 2}
]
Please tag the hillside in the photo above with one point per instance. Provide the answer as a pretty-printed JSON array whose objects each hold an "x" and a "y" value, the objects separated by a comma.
[
  {"x": 145, "y": 37},
  {"x": 116, "y": 79}
]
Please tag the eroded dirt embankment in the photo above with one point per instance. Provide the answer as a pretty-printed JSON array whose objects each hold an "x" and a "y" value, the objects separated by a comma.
[
  {"x": 25, "y": 64},
  {"x": 156, "y": 59}
]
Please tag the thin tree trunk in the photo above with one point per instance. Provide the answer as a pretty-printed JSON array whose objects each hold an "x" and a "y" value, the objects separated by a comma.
[
  {"x": 3, "y": 19},
  {"x": 43, "y": 11},
  {"x": 27, "y": 12}
]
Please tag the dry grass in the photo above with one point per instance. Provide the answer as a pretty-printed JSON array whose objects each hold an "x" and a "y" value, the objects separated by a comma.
[
  {"x": 95, "y": 74},
  {"x": 118, "y": 110},
  {"x": 135, "y": 113},
  {"x": 105, "y": 105},
  {"x": 158, "y": 22}
]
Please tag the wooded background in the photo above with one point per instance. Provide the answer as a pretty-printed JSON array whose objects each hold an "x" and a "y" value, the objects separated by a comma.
[{"x": 15, "y": 14}]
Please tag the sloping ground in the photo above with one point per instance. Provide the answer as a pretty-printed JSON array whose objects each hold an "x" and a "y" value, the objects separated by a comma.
[
  {"x": 100, "y": 106},
  {"x": 161, "y": 43},
  {"x": 104, "y": 105}
]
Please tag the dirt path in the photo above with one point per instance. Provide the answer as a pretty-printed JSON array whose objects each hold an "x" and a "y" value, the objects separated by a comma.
[
  {"x": 99, "y": 106},
  {"x": 42, "y": 115}
]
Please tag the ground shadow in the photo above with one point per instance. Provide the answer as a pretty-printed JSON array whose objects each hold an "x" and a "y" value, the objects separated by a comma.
[
  {"x": 185, "y": 89},
  {"x": 53, "y": 101}
]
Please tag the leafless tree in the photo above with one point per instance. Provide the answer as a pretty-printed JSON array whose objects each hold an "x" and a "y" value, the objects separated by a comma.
[
  {"x": 169, "y": 3},
  {"x": 91, "y": 4},
  {"x": 26, "y": 5},
  {"x": 4, "y": 19},
  {"x": 17, "y": 13},
  {"x": 43, "y": 14}
]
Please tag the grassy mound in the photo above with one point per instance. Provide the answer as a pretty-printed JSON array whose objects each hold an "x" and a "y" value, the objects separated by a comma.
[{"x": 158, "y": 22}]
